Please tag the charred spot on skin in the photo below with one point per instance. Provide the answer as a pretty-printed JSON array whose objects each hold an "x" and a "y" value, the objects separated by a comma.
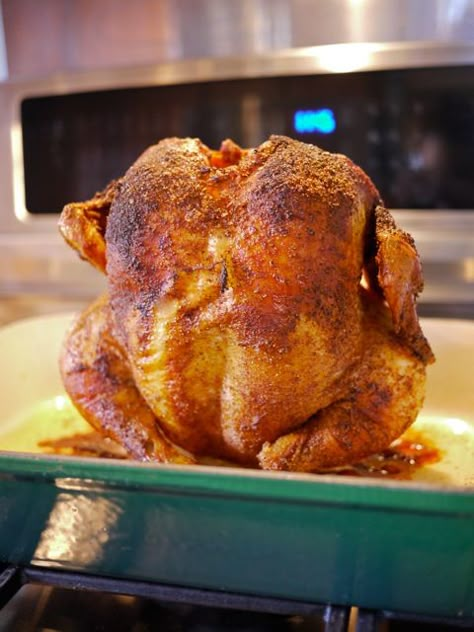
[
  {"x": 382, "y": 395},
  {"x": 145, "y": 303},
  {"x": 223, "y": 278},
  {"x": 149, "y": 448},
  {"x": 136, "y": 265},
  {"x": 102, "y": 365},
  {"x": 80, "y": 367},
  {"x": 189, "y": 319}
]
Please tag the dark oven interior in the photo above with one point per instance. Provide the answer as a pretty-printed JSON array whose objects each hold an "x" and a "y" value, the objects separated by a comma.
[{"x": 411, "y": 130}]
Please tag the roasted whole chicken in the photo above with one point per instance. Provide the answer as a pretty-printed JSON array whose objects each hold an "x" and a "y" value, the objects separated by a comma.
[{"x": 260, "y": 309}]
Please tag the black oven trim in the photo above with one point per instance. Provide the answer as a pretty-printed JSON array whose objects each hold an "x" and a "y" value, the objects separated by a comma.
[{"x": 335, "y": 617}]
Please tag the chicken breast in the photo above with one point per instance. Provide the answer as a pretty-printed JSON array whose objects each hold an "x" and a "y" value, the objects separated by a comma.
[{"x": 260, "y": 309}]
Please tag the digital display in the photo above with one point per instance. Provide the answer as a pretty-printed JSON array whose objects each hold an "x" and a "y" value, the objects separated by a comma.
[{"x": 320, "y": 121}]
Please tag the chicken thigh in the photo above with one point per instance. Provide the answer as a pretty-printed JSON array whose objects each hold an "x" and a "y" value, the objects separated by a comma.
[{"x": 260, "y": 309}]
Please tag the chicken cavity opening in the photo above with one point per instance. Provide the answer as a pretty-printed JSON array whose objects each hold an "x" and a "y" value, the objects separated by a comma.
[{"x": 228, "y": 155}]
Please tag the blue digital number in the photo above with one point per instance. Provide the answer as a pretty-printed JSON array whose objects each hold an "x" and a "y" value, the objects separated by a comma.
[{"x": 320, "y": 121}]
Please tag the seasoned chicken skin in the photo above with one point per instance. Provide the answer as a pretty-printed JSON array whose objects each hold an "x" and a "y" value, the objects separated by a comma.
[{"x": 260, "y": 309}]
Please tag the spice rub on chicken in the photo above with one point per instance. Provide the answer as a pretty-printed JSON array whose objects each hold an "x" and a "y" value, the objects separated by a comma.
[{"x": 260, "y": 309}]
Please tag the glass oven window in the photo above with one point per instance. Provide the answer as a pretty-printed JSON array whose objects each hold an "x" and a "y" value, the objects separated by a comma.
[{"x": 411, "y": 130}]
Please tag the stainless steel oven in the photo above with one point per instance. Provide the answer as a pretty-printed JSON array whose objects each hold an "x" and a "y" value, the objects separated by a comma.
[{"x": 86, "y": 86}]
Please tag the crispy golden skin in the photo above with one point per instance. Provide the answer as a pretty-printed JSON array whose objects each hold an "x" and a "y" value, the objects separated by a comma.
[
  {"x": 236, "y": 325},
  {"x": 96, "y": 371}
]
